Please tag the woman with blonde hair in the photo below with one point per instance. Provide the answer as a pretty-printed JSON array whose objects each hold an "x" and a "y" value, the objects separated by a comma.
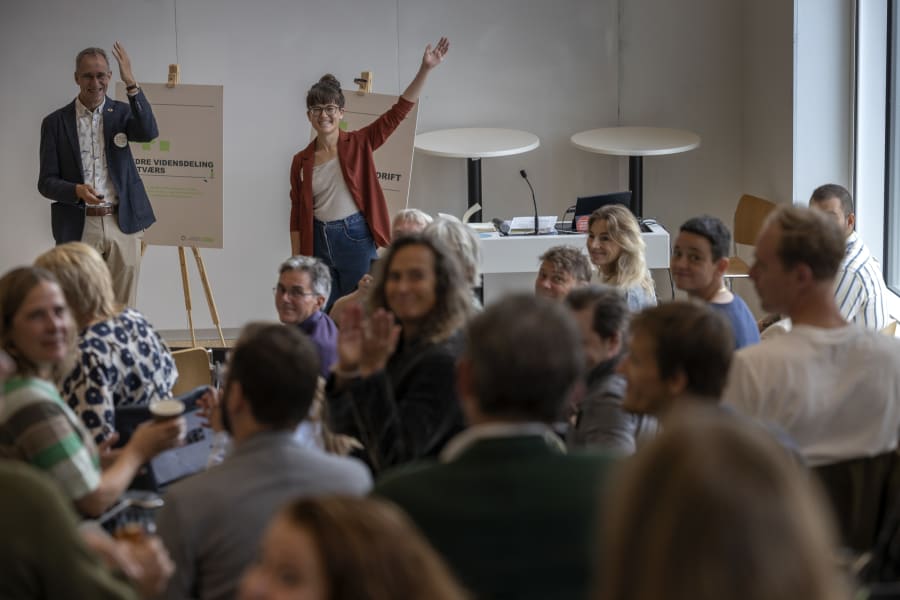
[
  {"x": 616, "y": 248},
  {"x": 120, "y": 360},
  {"x": 336, "y": 548},
  {"x": 714, "y": 508}
]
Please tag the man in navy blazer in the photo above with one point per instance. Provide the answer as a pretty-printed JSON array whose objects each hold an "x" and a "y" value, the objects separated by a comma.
[{"x": 87, "y": 168}]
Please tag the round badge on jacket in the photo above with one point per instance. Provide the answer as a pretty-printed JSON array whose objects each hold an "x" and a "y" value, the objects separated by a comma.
[{"x": 120, "y": 140}]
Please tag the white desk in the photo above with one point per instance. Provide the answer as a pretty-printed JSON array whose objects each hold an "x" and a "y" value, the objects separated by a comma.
[
  {"x": 511, "y": 263},
  {"x": 636, "y": 143},
  {"x": 473, "y": 144}
]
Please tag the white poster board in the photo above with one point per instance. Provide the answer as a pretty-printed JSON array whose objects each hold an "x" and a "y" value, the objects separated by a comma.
[
  {"x": 182, "y": 168},
  {"x": 393, "y": 160}
]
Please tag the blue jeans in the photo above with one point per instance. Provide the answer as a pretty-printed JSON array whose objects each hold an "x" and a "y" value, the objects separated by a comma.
[{"x": 347, "y": 247}]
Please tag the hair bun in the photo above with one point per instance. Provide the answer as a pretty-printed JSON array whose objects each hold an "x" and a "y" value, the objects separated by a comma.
[{"x": 330, "y": 80}]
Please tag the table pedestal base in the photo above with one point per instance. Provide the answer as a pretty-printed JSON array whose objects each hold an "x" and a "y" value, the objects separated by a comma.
[
  {"x": 473, "y": 169},
  {"x": 636, "y": 184}
]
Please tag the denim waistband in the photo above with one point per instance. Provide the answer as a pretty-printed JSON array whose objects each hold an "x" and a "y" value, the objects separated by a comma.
[{"x": 351, "y": 220}]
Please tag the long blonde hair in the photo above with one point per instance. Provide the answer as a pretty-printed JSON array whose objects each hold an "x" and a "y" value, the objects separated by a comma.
[
  {"x": 630, "y": 269},
  {"x": 714, "y": 508}
]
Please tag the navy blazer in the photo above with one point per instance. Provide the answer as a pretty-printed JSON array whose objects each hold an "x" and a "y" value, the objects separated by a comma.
[{"x": 61, "y": 166}]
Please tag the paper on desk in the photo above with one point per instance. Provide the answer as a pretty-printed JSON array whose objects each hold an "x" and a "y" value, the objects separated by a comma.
[{"x": 526, "y": 224}]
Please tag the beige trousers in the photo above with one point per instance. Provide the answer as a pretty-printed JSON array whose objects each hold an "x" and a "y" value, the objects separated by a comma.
[{"x": 121, "y": 251}]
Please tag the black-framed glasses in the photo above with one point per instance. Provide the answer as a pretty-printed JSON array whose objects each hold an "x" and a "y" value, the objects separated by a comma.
[
  {"x": 294, "y": 292},
  {"x": 328, "y": 109}
]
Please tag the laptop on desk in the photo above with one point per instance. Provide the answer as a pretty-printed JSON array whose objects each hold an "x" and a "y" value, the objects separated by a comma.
[{"x": 585, "y": 205}]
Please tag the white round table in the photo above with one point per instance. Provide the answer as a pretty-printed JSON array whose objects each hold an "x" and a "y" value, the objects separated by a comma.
[
  {"x": 636, "y": 143},
  {"x": 473, "y": 144}
]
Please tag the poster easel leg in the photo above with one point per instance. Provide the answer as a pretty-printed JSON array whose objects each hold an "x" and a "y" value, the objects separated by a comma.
[
  {"x": 187, "y": 295},
  {"x": 213, "y": 311}
]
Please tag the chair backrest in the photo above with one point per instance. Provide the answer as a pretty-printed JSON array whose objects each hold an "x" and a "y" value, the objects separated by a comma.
[
  {"x": 890, "y": 329},
  {"x": 749, "y": 216},
  {"x": 863, "y": 493},
  {"x": 193, "y": 370}
]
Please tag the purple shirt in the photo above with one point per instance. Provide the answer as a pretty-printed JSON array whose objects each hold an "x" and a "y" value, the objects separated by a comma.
[{"x": 323, "y": 333}]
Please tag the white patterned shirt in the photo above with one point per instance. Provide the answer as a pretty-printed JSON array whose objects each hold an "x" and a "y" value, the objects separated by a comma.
[
  {"x": 92, "y": 144},
  {"x": 860, "y": 291}
]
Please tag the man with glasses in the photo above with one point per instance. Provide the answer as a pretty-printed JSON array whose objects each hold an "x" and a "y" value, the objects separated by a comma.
[
  {"x": 304, "y": 284},
  {"x": 88, "y": 171}
]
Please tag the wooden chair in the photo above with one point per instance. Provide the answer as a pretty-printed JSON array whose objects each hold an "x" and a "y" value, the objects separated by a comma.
[
  {"x": 193, "y": 370},
  {"x": 890, "y": 329},
  {"x": 749, "y": 216}
]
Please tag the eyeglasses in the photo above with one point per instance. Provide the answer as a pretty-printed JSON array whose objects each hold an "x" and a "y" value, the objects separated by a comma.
[
  {"x": 294, "y": 292},
  {"x": 328, "y": 109}
]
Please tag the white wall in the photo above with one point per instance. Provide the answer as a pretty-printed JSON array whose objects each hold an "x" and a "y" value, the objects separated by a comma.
[
  {"x": 767, "y": 99},
  {"x": 550, "y": 68},
  {"x": 823, "y": 92},
  {"x": 681, "y": 69}
]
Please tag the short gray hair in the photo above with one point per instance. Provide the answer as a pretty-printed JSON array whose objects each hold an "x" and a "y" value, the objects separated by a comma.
[
  {"x": 459, "y": 237},
  {"x": 413, "y": 215},
  {"x": 319, "y": 274},
  {"x": 92, "y": 51}
]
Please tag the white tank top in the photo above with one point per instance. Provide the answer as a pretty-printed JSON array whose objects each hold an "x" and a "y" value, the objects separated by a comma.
[{"x": 331, "y": 198}]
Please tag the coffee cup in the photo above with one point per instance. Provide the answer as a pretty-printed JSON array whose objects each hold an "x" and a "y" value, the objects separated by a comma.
[{"x": 167, "y": 408}]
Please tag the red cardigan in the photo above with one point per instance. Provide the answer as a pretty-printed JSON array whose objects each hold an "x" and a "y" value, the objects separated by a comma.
[{"x": 354, "y": 150}]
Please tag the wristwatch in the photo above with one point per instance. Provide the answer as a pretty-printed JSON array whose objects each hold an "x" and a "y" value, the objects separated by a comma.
[{"x": 132, "y": 87}]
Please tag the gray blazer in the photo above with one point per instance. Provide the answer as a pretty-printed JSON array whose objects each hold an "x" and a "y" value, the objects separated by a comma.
[{"x": 212, "y": 522}]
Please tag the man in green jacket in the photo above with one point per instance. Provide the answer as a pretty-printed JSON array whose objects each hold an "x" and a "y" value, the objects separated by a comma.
[{"x": 510, "y": 511}]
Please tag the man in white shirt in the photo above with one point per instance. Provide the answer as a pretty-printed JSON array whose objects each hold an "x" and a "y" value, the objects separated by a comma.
[
  {"x": 833, "y": 387},
  {"x": 860, "y": 291},
  {"x": 87, "y": 168}
]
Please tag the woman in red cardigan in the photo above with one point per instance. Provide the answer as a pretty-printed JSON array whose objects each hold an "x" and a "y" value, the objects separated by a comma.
[{"x": 338, "y": 211}]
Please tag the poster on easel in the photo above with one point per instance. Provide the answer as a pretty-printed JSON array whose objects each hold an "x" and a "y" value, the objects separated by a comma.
[
  {"x": 182, "y": 168},
  {"x": 393, "y": 160}
]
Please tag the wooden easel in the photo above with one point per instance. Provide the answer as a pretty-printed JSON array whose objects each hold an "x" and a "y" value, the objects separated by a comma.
[
  {"x": 172, "y": 81},
  {"x": 364, "y": 81}
]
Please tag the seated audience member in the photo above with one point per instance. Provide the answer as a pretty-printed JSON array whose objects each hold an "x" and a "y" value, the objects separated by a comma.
[
  {"x": 860, "y": 292},
  {"x": 120, "y": 359},
  {"x": 409, "y": 221},
  {"x": 509, "y": 510},
  {"x": 393, "y": 386},
  {"x": 563, "y": 268},
  {"x": 304, "y": 284},
  {"x": 346, "y": 549},
  {"x": 599, "y": 419},
  {"x": 616, "y": 248},
  {"x": 714, "y": 509},
  {"x": 462, "y": 241},
  {"x": 679, "y": 354},
  {"x": 833, "y": 387},
  {"x": 406, "y": 222},
  {"x": 699, "y": 260},
  {"x": 38, "y": 428},
  {"x": 212, "y": 522},
  {"x": 45, "y": 555}
]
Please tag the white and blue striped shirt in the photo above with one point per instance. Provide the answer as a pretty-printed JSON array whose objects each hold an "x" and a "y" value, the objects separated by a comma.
[{"x": 860, "y": 291}]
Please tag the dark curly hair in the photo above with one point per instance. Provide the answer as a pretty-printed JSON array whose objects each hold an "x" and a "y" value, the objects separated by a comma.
[{"x": 453, "y": 298}]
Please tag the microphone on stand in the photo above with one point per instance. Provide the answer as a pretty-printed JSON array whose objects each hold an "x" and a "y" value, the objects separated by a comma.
[{"x": 533, "y": 199}]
